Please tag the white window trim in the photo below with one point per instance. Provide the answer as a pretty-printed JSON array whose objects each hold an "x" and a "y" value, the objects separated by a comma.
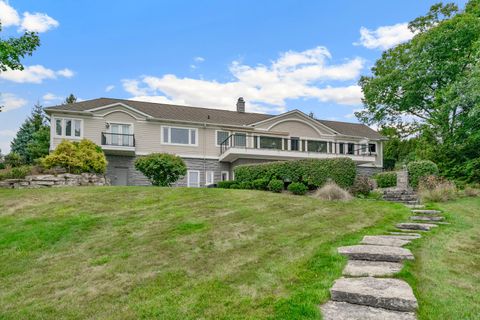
[
  {"x": 179, "y": 144},
  {"x": 216, "y": 136},
  {"x": 228, "y": 175},
  {"x": 188, "y": 178},
  {"x": 207, "y": 175},
  {"x": 63, "y": 136},
  {"x": 132, "y": 127}
]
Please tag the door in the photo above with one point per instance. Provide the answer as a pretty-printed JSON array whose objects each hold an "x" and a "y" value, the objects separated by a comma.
[
  {"x": 120, "y": 176},
  {"x": 120, "y": 134}
]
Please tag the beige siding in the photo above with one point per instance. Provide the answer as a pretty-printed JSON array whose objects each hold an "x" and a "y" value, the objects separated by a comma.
[
  {"x": 297, "y": 129},
  {"x": 293, "y": 122}
]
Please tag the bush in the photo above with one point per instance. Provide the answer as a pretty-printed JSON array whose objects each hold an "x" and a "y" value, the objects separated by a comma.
[
  {"x": 260, "y": 184},
  {"x": 331, "y": 191},
  {"x": 297, "y": 188},
  {"x": 77, "y": 157},
  {"x": 471, "y": 192},
  {"x": 2, "y": 166},
  {"x": 225, "y": 184},
  {"x": 361, "y": 186},
  {"x": 386, "y": 179},
  {"x": 436, "y": 189},
  {"x": 13, "y": 160},
  {"x": 235, "y": 186},
  {"x": 419, "y": 169},
  {"x": 389, "y": 164},
  {"x": 245, "y": 185},
  {"x": 162, "y": 169},
  {"x": 275, "y": 185},
  {"x": 311, "y": 172},
  {"x": 15, "y": 173}
]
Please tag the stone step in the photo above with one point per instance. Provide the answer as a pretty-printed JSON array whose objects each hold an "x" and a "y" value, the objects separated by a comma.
[
  {"x": 426, "y": 218},
  {"x": 423, "y": 211},
  {"x": 415, "y": 206},
  {"x": 384, "y": 241},
  {"x": 392, "y": 294},
  {"x": 362, "y": 268},
  {"x": 376, "y": 253},
  {"x": 334, "y": 310},
  {"x": 406, "y": 235},
  {"x": 415, "y": 226}
]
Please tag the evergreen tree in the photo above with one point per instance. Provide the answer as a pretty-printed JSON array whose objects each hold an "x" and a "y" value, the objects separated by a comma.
[
  {"x": 70, "y": 99},
  {"x": 33, "y": 138}
]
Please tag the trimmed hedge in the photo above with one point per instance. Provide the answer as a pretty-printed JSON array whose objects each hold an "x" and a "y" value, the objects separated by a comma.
[
  {"x": 227, "y": 184},
  {"x": 311, "y": 172},
  {"x": 297, "y": 188},
  {"x": 260, "y": 184},
  {"x": 420, "y": 169},
  {"x": 386, "y": 179},
  {"x": 275, "y": 185}
]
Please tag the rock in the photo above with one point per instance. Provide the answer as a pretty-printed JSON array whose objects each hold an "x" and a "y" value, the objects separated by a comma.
[
  {"x": 392, "y": 294},
  {"x": 384, "y": 241},
  {"x": 334, "y": 310},
  {"x": 406, "y": 235},
  {"x": 415, "y": 206},
  {"x": 426, "y": 218},
  {"x": 426, "y": 211},
  {"x": 376, "y": 253},
  {"x": 361, "y": 268},
  {"x": 415, "y": 226}
]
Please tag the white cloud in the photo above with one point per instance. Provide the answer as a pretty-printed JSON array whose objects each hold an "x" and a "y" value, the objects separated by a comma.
[
  {"x": 352, "y": 115},
  {"x": 34, "y": 74},
  {"x": 7, "y": 133},
  {"x": 293, "y": 75},
  {"x": 384, "y": 37},
  {"x": 8, "y": 15},
  {"x": 199, "y": 59},
  {"x": 50, "y": 97},
  {"x": 9, "y": 101},
  {"x": 38, "y": 22},
  {"x": 109, "y": 88}
]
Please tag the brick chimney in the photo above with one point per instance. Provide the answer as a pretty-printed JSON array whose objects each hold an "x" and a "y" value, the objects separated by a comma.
[{"x": 241, "y": 105}]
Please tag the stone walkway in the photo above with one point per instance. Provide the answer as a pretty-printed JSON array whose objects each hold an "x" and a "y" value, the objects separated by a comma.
[{"x": 365, "y": 292}]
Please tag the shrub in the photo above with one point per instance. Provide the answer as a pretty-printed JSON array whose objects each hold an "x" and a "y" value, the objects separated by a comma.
[
  {"x": 361, "y": 186},
  {"x": 389, "y": 164},
  {"x": 436, "y": 189},
  {"x": 331, "y": 191},
  {"x": 15, "y": 173},
  {"x": 311, "y": 172},
  {"x": 275, "y": 185},
  {"x": 162, "y": 169},
  {"x": 235, "y": 186},
  {"x": 386, "y": 179},
  {"x": 260, "y": 184},
  {"x": 471, "y": 192},
  {"x": 297, "y": 188},
  {"x": 225, "y": 184},
  {"x": 77, "y": 157},
  {"x": 13, "y": 160},
  {"x": 419, "y": 169},
  {"x": 245, "y": 185}
]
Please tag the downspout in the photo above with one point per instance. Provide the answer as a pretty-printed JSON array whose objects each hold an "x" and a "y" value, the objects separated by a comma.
[{"x": 205, "y": 151}]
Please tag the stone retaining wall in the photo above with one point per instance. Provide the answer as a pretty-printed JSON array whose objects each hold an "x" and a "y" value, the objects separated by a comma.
[{"x": 59, "y": 180}]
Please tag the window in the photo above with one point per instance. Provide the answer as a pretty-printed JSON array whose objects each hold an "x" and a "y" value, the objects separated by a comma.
[
  {"x": 270, "y": 143},
  {"x": 351, "y": 148},
  {"x": 120, "y": 135},
  {"x": 193, "y": 178},
  {"x": 240, "y": 140},
  {"x": 317, "y": 146},
  {"x": 209, "y": 177},
  {"x": 341, "y": 147},
  {"x": 294, "y": 143},
  {"x": 224, "y": 175},
  {"x": 66, "y": 127},
  {"x": 372, "y": 147},
  {"x": 221, "y": 137},
  {"x": 179, "y": 136}
]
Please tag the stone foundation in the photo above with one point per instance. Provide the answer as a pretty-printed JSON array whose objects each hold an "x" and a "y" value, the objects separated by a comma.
[{"x": 60, "y": 180}]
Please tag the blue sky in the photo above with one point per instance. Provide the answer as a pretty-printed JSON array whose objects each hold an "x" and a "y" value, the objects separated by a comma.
[{"x": 279, "y": 55}]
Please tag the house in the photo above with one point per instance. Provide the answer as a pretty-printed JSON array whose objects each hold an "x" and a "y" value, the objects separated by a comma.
[{"x": 212, "y": 142}]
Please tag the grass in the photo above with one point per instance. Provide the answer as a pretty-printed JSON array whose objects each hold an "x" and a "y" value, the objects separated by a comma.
[
  {"x": 445, "y": 275},
  {"x": 144, "y": 252}
]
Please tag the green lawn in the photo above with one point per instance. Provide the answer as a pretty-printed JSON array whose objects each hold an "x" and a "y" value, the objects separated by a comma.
[
  {"x": 145, "y": 252},
  {"x": 446, "y": 273}
]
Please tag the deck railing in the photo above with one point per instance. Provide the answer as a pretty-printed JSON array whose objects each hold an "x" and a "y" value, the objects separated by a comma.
[{"x": 118, "y": 139}]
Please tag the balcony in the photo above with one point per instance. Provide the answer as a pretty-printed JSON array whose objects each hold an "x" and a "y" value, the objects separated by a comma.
[
  {"x": 118, "y": 143},
  {"x": 275, "y": 148}
]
